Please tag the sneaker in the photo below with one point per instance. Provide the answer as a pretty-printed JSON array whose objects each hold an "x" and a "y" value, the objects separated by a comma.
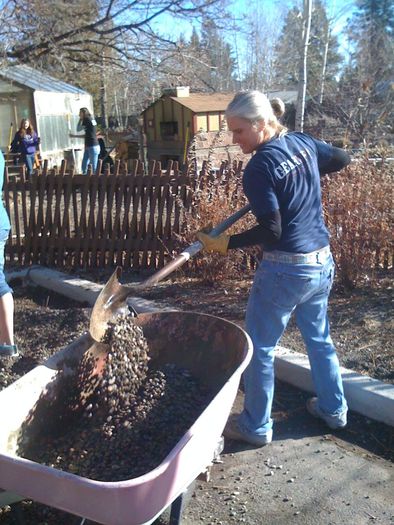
[
  {"x": 334, "y": 421},
  {"x": 232, "y": 430},
  {"x": 9, "y": 351}
]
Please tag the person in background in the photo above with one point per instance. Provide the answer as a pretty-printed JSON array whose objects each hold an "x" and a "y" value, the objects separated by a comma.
[
  {"x": 282, "y": 183},
  {"x": 104, "y": 156},
  {"x": 7, "y": 346},
  {"x": 25, "y": 143},
  {"x": 88, "y": 124}
]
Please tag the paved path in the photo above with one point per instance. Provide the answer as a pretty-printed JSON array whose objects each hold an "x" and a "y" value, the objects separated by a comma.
[{"x": 306, "y": 476}]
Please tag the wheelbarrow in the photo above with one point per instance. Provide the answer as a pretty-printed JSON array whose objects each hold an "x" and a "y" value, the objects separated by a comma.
[{"x": 216, "y": 352}]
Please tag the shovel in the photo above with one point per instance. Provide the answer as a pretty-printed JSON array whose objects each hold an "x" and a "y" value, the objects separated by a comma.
[{"x": 112, "y": 298}]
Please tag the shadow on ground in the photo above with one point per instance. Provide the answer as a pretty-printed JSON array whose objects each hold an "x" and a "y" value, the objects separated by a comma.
[{"x": 292, "y": 421}]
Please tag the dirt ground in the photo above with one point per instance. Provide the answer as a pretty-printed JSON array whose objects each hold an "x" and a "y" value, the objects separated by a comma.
[
  {"x": 362, "y": 328},
  {"x": 362, "y": 321}
]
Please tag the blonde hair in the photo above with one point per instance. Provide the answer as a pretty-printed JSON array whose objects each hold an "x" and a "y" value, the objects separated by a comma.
[
  {"x": 255, "y": 106},
  {"x": 278, "y": 107}
]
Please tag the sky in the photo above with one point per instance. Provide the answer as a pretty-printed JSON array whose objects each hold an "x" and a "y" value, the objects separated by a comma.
[{"x": 338, "y": 10}]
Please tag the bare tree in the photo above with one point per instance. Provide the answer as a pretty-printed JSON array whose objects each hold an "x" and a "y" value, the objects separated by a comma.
[
  {"x": 90, "y": 43},
  {"x": 261, "y": 29},
  {"x": 77, "y": 31},
  {"x": 324, "y": 65},
  {"x": 327, "y": 42},
  {"x": 307, "y": 16}
]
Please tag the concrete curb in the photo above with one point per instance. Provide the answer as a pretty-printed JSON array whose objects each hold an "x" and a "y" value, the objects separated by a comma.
[
  {"x": 365, "y": 395},
  {"x": 369, "y": 397},
  {"x": 75, "y": 288}
]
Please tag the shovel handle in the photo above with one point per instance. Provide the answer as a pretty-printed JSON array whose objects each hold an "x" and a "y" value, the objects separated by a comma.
[{"x": 192, "y": 250}]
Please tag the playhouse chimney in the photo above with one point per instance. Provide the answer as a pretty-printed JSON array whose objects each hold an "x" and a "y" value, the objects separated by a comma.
[{"x": 179, "y": 91}]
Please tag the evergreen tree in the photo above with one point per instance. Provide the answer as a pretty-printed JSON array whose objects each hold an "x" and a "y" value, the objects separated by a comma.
[
  {"x": 372, "y": 32},
  {"x": 220, "y": 77},
  {"x": 186, "y": 65},
  {"x": 204, "y": 63},
  {"x": 289, "y": 48},
  {"x": 367, "y": 82}
]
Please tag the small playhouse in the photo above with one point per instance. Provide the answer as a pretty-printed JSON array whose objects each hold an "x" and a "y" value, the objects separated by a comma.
[
  {"x": 178, "y": 117},
  {"x": 52, "y": 106},
  {"x": 173, "y": 120}
]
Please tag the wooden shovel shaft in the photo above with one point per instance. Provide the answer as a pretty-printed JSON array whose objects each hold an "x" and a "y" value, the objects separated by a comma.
[
  {"x": 113, "y": 296},
  {"x": 192, "y": 250}
]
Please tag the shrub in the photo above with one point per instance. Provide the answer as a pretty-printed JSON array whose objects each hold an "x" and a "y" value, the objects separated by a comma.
[
  {"x": 215, "y": 196},
  {"x": 358, "y": 207}
]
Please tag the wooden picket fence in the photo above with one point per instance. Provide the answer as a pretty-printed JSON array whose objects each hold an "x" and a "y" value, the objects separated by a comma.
[
  {"x": 127, "y": 218},
  {"x": 131, "y": 218}
]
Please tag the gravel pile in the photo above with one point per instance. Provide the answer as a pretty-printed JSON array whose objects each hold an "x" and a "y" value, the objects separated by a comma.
[{"x": 118, "y": 424}]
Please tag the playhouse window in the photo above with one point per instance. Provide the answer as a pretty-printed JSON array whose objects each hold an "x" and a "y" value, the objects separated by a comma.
[{"x": 169, "y": 130}]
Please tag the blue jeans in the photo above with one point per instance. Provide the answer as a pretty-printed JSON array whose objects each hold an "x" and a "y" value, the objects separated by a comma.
[
  {"x": 279, "y": 290},
  {"x": 29, "y": 161},
  {"x": 90, "y": 155}
]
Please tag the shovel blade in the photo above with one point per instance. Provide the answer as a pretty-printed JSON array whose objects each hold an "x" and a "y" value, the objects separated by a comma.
[
  {"x": 110, "y": 302},
  {"x": 112, "y": 298}
]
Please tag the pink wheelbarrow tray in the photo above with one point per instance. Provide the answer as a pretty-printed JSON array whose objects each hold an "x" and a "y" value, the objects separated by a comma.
[{"x": 216, "y": 351}]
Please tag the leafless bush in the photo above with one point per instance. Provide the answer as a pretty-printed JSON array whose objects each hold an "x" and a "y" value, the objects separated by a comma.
[
  {"x": 217, "y": 195},
  {"x": 358, "y": 206}
]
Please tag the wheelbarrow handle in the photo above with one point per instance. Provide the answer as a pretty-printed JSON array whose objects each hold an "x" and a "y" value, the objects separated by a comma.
[{"x": 192, "y": 250}]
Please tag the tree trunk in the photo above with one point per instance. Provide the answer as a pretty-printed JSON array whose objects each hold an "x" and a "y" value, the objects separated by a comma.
[
  {"x": 103, "y": 96},
  {"x": 302, "y": 82},
  {"x": 324, "y": 68},
  {"x": 118, "y": 116}
]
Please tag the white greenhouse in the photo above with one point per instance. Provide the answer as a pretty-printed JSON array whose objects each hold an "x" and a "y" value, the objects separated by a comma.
[{"x": 52, "y": 106}]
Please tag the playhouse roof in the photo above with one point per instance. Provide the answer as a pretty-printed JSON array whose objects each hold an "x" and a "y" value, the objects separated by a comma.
[
  {"x": 205, "y": 102},
  {"x": 202, "y": 102},
  {"x": 34, "y": 79}
]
